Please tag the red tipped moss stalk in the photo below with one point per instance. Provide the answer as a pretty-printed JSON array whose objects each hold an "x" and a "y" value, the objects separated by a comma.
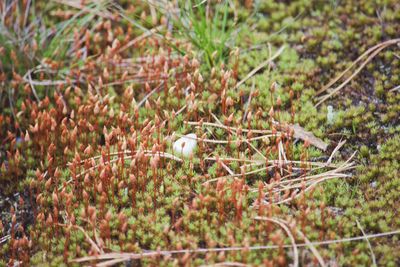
[
  {"x": 67, "y": 235},
  {"x": 154, "y": 162}
]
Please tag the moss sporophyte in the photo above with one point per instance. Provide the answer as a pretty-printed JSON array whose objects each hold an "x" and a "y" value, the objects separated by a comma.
[{"x": 200, "y": 132}]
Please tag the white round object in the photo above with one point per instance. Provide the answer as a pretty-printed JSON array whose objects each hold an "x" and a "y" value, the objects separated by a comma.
[{"x": 185, "y": 145}]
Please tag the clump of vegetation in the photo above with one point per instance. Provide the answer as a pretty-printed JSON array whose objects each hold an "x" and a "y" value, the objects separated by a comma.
[
  {"x": 89, "y": 171},
  {"x": 207, "y": 28}
]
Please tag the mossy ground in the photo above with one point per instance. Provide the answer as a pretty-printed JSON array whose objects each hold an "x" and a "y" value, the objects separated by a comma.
[{"x": 140, "y": 204}]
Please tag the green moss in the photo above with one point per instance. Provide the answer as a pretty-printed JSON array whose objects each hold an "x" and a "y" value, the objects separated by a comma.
[{"x": 172, "y": 208}]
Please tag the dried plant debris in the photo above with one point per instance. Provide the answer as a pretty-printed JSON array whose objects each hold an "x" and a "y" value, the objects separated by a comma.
[{"x": 199, "y": 133}]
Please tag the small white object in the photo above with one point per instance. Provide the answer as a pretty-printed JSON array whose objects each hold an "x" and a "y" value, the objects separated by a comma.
[
  {"x": 330, "y": 116},
  {"x": 185, "y": 145}
]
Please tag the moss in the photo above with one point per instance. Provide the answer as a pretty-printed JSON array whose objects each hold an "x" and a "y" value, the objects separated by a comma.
[{"x": 171, "y": 207}]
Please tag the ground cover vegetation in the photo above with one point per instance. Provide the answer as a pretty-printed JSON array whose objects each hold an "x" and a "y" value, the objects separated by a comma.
[{"x": 293, "y": 106}]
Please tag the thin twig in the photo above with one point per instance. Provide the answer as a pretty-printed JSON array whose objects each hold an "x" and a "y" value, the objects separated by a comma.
[
  {"x": 261, "y": 66},
  {"x": 33, "y": 87},
  {"x": 312, "y": 248},
  {"x": 247, "y": 105},
  {"x": 275, "y": 162},
  {"x": 397, "y": 88},
  {"x": 205, "y": 140},
  {"x": 333, "y": 81},
  {"x": 127, "y": 256},
  {"x": 227, "y": 168},
  {"x": 90, "y": 240},
  {"x": 150, "y": 94},
  {"x": 130, "y": 152},
  {"x": 288, "y": 232},
  {"x": 375, "y": 51},
  {"x": 369, "y": 244},
  {"x": 341, "y": 143},
  {"x": 227, "y": 127}
]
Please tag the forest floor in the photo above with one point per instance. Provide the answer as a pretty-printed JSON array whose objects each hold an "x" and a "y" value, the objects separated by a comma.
[{"x": 292, "y": 108}]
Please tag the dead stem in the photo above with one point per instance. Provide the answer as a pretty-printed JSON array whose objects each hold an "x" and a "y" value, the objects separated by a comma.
[
  {"x": 375, "y": 51},
  {"x": 261, "y": 66},
  {"x": 369, "y": 244},
  {"x": 283, "y": 225},
  {"x": 128, "y": 256}
]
